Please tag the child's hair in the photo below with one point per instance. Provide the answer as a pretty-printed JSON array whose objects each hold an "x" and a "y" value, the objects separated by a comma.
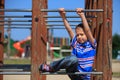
[{"x": 79, "y": 25}]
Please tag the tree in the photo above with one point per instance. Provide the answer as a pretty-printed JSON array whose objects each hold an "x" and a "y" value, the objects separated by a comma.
[{"x": 115, "y": 44}]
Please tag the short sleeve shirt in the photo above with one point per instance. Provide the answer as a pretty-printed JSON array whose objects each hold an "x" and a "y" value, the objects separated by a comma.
[{"x": 85, "y": 53}]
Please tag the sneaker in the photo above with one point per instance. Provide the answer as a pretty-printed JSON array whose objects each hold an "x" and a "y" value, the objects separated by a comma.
[{"x": 44, "y": 68}]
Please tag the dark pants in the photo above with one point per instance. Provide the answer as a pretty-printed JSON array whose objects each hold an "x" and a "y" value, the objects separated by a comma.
[{"x": 69, "y": 63}]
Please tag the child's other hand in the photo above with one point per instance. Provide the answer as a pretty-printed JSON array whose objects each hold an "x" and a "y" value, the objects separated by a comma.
[{"x": 62, "y": 12}]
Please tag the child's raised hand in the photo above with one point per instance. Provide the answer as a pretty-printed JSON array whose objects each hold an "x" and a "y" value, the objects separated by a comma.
[
  {"x": 61, "y": 9},
  {"x": 79, "y": 11}
]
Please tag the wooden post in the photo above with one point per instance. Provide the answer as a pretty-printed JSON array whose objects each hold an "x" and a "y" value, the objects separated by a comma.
[
  {"x": 1, "y": 36},
  {"x": 102, "y": 30},
  {"x": 39, "y": 38}
]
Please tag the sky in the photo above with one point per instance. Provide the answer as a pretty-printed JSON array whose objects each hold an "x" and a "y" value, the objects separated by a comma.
[{"x": 20, "y": 34}]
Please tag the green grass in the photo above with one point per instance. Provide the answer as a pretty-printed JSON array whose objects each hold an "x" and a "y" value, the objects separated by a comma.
[
  {"x": 116, "y": 74},
  {"x": 17, "y": 61}
]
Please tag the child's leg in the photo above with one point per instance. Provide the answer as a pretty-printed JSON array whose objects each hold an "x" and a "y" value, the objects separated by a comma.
[{"x": 69, "y": 63}]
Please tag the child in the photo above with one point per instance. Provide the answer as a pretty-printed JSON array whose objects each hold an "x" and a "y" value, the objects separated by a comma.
[{"x": 83, "y": 50}]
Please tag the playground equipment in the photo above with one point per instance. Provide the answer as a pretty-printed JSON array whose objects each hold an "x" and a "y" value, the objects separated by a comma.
[
  {"x": 68, "y": 16},
  {"x": 15, "y": 20},
  {"x": 18, "y": 46},
  {"x": 62, "y": 21},
  {"x": 102, "y": 30},
  {"x": 68, "y": 10},
  {"x": 26, "y": 70}
]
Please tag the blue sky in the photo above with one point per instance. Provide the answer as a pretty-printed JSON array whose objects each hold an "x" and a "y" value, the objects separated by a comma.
[{"x": 19, "y": 34}]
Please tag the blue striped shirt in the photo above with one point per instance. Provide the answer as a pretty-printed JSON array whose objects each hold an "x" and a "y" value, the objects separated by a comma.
[{"x": 85, "y": 53}]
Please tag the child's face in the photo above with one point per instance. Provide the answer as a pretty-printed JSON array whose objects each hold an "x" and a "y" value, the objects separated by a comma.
[{"x": 81, "y": 36}]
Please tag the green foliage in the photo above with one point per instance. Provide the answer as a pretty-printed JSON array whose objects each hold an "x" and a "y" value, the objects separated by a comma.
[
  {"x": 65, "y": 47},
  {"x": 114, "y": 54},
  {"x": 66, "y": 53},
  {"x": 115, "y": 45},
  {"x": 116, "y": 42}
]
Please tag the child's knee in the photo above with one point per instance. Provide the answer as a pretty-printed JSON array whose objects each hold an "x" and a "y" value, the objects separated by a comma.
[{"x": 74, "y": 59}]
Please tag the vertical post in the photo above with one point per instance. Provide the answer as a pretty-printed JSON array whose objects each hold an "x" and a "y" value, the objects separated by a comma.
[
  {"x": 9, "y": 37},
  {"x": 1, "y": 36},
  {"x": 107, "y": 33},
  {"x": 39, "y": 38},
  {"x": 92, "y": 5},
  {"x": 109, "y": 24},
  {"x": 102, "y": 28}
]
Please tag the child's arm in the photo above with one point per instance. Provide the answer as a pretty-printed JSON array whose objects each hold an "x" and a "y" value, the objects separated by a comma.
[
  {"x": 85, "y": 24},
  {"x": 67, "y": 26}
]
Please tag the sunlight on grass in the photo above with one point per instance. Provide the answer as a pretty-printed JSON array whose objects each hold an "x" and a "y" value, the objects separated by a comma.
[
  {"x": 116, "y": 74},
  {"x": 17, "y": 61}
]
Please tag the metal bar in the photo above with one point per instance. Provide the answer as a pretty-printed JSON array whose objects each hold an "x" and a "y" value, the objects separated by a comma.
[
  {"x": 50, "y": 25},
  {"x": 68, "y": 10},
  {"x": 76, "y": 73},
  {"x": 68, "y": 16},
  {"x": 19, "y": 27},
  {"x": 15, "y": 73},
  {"x": 48, "y": 73},
  {"x": 15, "y": 20},
  {"x": 25, "y": 16},
  {"x": 68, "y": 21},
  {"x": 65, "y": 50},
  {"x": 57, "y": 28},
  {"x": 25, "y": 67},
  {"x": 15, "y": 10},
  {"x": 16, "y": 24},
  {"x": 7, "y": 70},
  {"x": 62, "y": 21}
]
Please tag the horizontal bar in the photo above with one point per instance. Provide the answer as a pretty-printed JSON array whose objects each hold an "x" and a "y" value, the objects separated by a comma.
[
  {"x": 48, "y": 73},
  {"x": 16, "y": 24},
  {"x": 51, "y": 25},
  {"x": 76, "y": 73},
  {"x": 25, "y": 67},
  {"x": 15, "y": 73},
  {"x": 68, "y": 21},
  {"x": 57, "y": 28},
  {"x": 15, "y": 10},
  {"x": 7, "y": 70},
  {"x": 62, "y": 21},
  {"x": 15, "y": 20},
  {"x": 65, "y": 50},
  {"x": 68, "y": 16},
  {"x": 68, "y": 10},
  {"x": 19, "y": 27},
  {"x": 25, "y": 16},
  {"x": 56, "y": 48}
]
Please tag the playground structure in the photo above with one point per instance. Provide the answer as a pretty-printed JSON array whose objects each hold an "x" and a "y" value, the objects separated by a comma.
[
  {"x": 101, "y": 29},
  {"x": 19, "y": 48}
]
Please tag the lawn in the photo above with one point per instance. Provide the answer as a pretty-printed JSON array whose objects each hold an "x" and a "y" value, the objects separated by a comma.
[{"x": 17, "y": 61}]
